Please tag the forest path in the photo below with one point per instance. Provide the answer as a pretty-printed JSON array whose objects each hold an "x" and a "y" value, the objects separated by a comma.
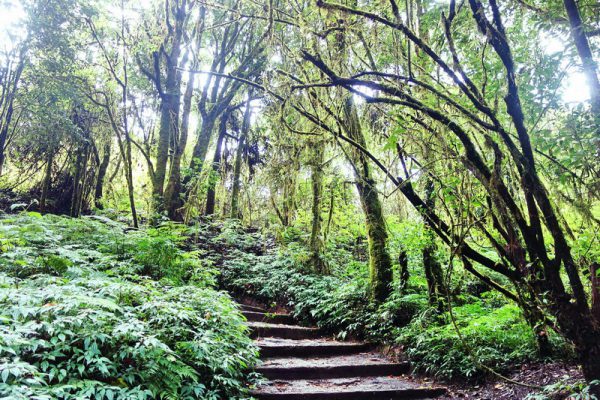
[{"x": 302, "y": 364}]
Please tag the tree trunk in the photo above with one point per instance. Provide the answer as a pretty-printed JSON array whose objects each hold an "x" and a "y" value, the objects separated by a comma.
[
  {"x": 316, "y": 240},
  {"x": 102, "y": 169},
  {"x": 173, "y": 200},
  {"x": 76, "y": 179},
  {"x": 201, "y": 148},
  {"x": 10, "y": 97},
  {"x": 216, "y": 166},
  {"x": 595, "y": 282},
  {"x": 585, "y": 54},
  {"x": 237, "y": 169},
  {"x": 168, "y": 126},
  {"x": 380, "y": 263},
  {"x": 433, "y": 270},
  {"x": 404, "y": 273},
  {"x": 47, "y": 180}
]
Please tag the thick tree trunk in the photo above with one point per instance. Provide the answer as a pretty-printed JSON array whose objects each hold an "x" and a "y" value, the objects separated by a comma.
[
  {"x": 316, "y": 240},
  {"x": 173, "y": 199},
  {"x": 169, "y": 119},
  {"x": 595, "y": 282},
  {"x": 380, "y": 263}
]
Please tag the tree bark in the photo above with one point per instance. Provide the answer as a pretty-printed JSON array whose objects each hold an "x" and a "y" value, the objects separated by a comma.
[
  {"x": 404, "y": 273},
  {"x": 201, "y": 147},
  {"x": 237, "y": 169},
  {"x": 215, "y": 167},
  {"x": 102, "y": 170},
  {"x": 47, "y": 180},
  {"x": 316, "y": 240},
  {"x": 587, "y": 59},
  {"x": 173, "y": 200},
  {"x": 380, "y": 263},
  {"x": 11, "y": 90}
]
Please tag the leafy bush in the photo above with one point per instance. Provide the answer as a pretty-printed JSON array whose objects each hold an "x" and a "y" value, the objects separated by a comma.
[
  {"x": 338, "y": 305},
  {"x": 496, "y": 338},
  {"x": 72, "y": 327}
]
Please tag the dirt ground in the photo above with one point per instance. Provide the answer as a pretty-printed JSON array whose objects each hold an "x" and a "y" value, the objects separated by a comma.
[{"x": 530, "y": 374}]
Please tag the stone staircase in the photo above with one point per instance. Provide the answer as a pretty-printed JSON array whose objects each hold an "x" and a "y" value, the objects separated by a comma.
[{"x": 300, "y": 363}]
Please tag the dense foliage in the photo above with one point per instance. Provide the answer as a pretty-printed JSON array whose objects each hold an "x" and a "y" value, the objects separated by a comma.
[
  {"x": 490, "y": 334},
  {"x": 84, "y": 315},
  {"x": 424, "y": 172}
]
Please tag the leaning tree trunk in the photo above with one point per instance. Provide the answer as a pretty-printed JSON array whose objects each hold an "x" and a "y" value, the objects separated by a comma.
[
  {"x": 201, "y": 147},
  {"x": 380, "y": 263}
]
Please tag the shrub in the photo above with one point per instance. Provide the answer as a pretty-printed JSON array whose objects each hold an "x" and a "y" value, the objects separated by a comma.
[{"x": 76, "y": 320}]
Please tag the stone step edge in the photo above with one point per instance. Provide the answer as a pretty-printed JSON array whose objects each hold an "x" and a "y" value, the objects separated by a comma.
[
  {"x": 334, "y": 371},
  {"x": 388, "y": 394}
]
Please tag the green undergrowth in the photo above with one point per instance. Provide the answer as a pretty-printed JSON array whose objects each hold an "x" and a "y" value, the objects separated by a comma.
[
  {"x": 91, "y": 311},
  {"x": 490, "y": 333}
]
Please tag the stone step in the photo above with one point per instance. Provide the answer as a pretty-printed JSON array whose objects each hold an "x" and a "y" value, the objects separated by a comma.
[
  {"x": 370, "y": 388},
  {"x": 344, "y": 366},
  {"x": 277, "y": 347},
  {"x": 246, "y": 307},
  {"x": 268, "y": 317},
  {"x": 263, "y": 329}
]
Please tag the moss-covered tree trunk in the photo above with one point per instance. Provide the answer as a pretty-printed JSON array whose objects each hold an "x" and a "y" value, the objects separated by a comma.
[
  {"x": 316, "y": 239},
  {"x": 173, "y": 200},
  {"x": 237, "y": 168},
  {"x": 380, "y": 263}
]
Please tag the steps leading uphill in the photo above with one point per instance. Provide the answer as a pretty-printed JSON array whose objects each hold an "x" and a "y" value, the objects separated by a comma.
[{"x": 300, "y": 363}]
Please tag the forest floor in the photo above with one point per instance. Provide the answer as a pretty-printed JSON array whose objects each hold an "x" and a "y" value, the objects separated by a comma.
[{"x": 532, "y": 376}]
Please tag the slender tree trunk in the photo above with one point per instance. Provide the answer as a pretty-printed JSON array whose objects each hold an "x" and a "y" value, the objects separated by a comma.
[
  {"x": 237, "y": 172},
  {"x": 237, "y": 169},
  {"x": 102, "y": 169},
  {"x": 404, "y": 272},
  {"x": 289, "y": 193},
  {"x": 10, "y": 97},
  {"x": 587, "y": 59},
  {"x": 316, "y": 240},
  {"x": 130, "y": 187},
  {"x": 329, "y": 215},
  {"x": 216, "y": 166},
  {"x": 433, "y": 269},
  {"x": 76, "y": 179},
  {"x": 380, "y": 263},
  {"x": 81, "y": 196},
  {"x": 201, "y": 148},
  {"x": 47, "y": 180}
]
